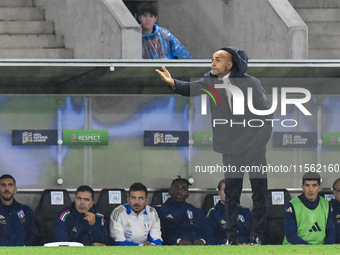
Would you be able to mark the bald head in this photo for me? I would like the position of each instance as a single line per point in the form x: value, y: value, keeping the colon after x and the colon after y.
x: 221, y: 64
x: 225, y: 54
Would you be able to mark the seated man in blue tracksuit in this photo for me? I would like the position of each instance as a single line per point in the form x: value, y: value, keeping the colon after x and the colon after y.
x: 81, y: 222
x: 183, y: 223
x: 336, y: 209
x: 17, y: 223
x: 216, y: 217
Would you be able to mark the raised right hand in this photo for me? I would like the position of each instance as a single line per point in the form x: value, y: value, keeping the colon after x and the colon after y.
x: 166, y: 76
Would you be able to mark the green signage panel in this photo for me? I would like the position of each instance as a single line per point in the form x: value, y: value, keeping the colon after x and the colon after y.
x: 85, y: 137
x: 331, y: 139
x: 203, y: 138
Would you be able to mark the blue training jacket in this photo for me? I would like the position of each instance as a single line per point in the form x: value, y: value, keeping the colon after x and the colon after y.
x: 216, y: 217
x: 183, y: 221
x: 70, y: 226
x: 336, y: 212
x: 17, y: 225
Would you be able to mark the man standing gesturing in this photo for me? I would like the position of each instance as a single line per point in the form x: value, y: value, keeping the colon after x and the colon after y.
x: 242, y: 138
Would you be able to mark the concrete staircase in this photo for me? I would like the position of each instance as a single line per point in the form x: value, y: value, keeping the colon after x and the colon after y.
x: 24, y: 33
x: 323, y: 20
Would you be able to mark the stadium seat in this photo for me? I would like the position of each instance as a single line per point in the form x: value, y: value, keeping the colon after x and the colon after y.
x: 50, y: 203
x: 209, y: 201
x: 109, y: 199
x: 277, y: 200
x: 159, y: 197
x: 327, y: 193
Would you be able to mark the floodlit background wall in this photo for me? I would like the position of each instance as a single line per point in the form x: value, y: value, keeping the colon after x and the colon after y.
x: 125, y: 160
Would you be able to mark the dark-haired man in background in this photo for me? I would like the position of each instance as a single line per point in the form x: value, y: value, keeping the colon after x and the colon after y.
x: 17, y: 223
x: 158, y: 42
x: 336, y: 209
x: 183, y: 223
x: 309, y: 217
x: 216, y: 217
x: 81, y: 222
x: 136, y: 223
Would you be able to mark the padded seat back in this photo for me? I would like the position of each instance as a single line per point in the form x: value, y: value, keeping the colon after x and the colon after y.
x: 109, y: 199
x: 51, y: 202
x: 327, y: 194
x: 159, y: 197
x: 277, y: 201
x: 209, y: 201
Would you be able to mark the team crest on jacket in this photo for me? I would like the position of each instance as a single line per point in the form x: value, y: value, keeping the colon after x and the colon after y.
x: 146, y: 224
x: 241, y: 218
x: 21, y: 214
x: 190, y: 215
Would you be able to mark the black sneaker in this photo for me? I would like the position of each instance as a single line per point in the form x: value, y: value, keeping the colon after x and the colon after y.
x: 231, y: 241
x: 255, y: 241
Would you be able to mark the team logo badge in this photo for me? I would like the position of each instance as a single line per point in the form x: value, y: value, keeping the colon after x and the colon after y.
x: 287, y: 139
x: 315, y: 228
x: 21, y: 214
x: 277, y: 198
x: 115, y: 197
x: 158, y: 138
x: 57, y: 198
x: 333, y: 139
x: 165, y: 196
x: 241, y: 218
x: 289, y: 210
x: 216, y: 199
x: 329, y: 197
x: 146, y: 224
x: 27, y: 137
x: 190, y: 215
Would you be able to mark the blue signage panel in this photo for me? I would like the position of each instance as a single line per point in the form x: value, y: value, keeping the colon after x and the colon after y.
x: 37, y: 137
x: 166, y: 138
x: 295, y: 139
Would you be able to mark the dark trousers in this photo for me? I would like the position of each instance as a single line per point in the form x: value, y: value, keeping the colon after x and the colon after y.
x: 233, y: 189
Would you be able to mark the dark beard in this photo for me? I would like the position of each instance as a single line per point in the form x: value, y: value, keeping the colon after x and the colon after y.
x: 7, y: 199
